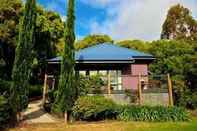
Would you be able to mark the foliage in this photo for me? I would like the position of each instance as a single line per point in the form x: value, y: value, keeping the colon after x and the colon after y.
x: 51, y: 99
x: 90, y: 84
x: 179, y: 24
x: 91, y: 40
x: 84, y: 86
x: 94, y: 108
x: 134, y: 44
x: 10, y: 13
x: 188, y: 99
x: 5, y: 112
x: 66, y: 94
x: 191, y: 74
x: 4, y: 87
x: 48, y: 25
x: 157, y: 113
x: 174, y: 57
x: 35, y: 91
x: 23, y: 58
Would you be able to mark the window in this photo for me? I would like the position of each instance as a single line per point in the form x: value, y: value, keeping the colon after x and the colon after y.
x: 83, y: 73
x: 93, y: 73
x: 116, y: 79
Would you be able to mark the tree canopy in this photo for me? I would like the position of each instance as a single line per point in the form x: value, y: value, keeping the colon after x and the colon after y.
x: 91, y: 40
x: 179, y: 24
x: 10, y: 13
x: 134, y: 44
x: 48, y: 25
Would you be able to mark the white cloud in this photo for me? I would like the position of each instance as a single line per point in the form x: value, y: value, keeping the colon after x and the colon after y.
x: 135, y: 19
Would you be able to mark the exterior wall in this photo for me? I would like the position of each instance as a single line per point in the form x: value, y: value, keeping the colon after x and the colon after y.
x: 130, y: 75
x: 155, y: 99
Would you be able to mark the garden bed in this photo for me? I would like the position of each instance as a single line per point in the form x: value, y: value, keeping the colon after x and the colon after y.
x: 94, y: 108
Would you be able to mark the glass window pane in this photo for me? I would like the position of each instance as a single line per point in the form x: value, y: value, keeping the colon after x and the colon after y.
x: 116, y: 79
x: 103, y: 73
x: 93, y: 73
x: 82, y: 73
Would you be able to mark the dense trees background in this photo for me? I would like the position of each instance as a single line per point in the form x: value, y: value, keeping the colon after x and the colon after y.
x: 10, y: 13
x: 91, y: 40
x: 48, y: 25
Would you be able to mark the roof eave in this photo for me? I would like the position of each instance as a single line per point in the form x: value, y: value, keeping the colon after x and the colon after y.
x: 98, y: 61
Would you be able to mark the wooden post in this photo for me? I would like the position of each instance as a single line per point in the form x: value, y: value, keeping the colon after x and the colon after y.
x: 109, y: 82
x: 171, y: 103
x: 140, y: 89
x: 44, y: 89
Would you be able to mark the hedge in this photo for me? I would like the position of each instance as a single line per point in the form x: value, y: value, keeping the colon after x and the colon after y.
x: 5, y: 111
x: 93, y: 108
x: 4, y: 87
x: 152, y: 114
x: 35, y: 91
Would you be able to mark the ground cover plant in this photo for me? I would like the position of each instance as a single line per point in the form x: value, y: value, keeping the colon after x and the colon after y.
x: 153, y: 113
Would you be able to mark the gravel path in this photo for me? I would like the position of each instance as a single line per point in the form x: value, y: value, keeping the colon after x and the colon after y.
x: 35, y: 114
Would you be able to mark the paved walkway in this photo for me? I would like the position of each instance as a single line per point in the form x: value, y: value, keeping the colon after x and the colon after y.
x: 35, y: 114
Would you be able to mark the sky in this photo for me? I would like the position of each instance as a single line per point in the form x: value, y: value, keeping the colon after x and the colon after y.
x: 120, y: 19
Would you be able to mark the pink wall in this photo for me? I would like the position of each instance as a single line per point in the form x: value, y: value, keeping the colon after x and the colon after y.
x: 139, y: 69
x: 130, y: 75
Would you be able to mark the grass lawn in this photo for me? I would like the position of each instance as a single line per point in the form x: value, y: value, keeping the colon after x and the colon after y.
x: 113, y: 126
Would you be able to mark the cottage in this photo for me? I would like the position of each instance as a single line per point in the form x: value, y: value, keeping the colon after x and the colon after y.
x: 120, y: 65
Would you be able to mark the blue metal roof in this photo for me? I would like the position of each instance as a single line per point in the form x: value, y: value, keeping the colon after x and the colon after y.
x: 107, y: 52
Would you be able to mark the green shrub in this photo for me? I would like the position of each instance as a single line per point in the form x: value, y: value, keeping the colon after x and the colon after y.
x: 4, y: 87
x: 35, y: 91
x: 92, y: 108
x: 51, y: 99
x: 5, y: 111
x: 189, y: 100
x: 91, y: 84
x: 84, y: 85
x: 154, y: 114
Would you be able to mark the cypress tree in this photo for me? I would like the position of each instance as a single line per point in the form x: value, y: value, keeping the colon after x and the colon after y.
x: 23, y: 58
x: 66, y: 89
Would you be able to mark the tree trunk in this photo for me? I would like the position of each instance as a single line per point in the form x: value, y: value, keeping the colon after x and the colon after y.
x: 66, y: 117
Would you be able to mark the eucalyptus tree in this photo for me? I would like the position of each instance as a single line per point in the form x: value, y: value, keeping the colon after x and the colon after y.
x: 179, y: 24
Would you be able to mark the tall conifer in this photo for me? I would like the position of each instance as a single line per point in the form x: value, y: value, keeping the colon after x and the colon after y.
x: 66, y: 89
x: 23, y: 58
